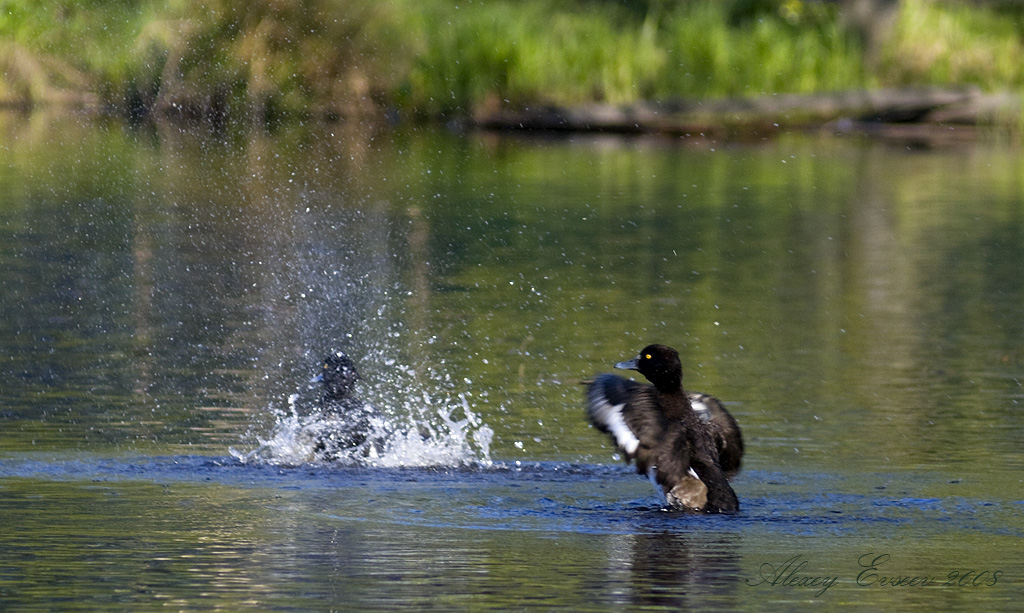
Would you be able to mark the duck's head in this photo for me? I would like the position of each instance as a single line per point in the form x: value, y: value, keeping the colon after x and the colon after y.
x: 339, y: 376
x: 660, y: 364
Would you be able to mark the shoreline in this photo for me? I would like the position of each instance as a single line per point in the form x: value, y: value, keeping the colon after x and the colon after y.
x: 961, y: 113
x: 929, y: 114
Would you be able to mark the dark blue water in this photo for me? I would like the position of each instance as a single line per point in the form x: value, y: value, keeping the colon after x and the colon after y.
x: 554, y: 496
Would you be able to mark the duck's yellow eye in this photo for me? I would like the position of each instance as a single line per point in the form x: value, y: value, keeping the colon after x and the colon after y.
x: 648, y: 356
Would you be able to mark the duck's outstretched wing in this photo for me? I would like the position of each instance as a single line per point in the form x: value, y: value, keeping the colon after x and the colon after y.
x: 728, y: 438
x: 608, y: 399
x: 627, y: 411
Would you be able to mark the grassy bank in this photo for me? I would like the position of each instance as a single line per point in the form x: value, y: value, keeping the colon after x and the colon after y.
x: 430, y: 58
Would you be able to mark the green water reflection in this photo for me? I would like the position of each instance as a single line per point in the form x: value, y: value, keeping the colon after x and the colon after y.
x: 859, y: 303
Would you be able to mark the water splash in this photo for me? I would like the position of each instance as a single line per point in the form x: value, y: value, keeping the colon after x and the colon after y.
x: 348, y: 274
x: 447, y: 433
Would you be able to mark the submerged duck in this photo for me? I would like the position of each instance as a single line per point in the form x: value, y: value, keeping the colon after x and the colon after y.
x: 339, y: 376
x: 339, y: 403
x: 687, y: 444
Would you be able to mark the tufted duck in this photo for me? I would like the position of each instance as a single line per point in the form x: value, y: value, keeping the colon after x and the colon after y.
x: 687, y: 444
x: 349, y: 416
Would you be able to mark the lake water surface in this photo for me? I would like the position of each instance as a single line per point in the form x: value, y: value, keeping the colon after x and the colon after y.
x: 858, y: 305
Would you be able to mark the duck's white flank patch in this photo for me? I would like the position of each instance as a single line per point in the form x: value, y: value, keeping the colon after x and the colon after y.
x: 703, y: 411
x: 611, y: 416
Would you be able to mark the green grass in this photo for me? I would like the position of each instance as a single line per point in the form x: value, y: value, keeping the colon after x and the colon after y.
x: 432, y: 58
x: 519, y: 53
x: 957, y: 43
x: 761, y: 56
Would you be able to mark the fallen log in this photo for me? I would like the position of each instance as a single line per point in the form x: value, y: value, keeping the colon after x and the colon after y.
x: 967, y: 106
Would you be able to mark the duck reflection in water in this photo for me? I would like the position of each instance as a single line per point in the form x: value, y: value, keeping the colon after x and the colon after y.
x: 347, y: 422
x: 655, y: 567
x: 687, y: 444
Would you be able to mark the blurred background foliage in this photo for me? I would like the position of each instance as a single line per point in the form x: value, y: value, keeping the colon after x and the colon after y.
x: 268, y: 59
